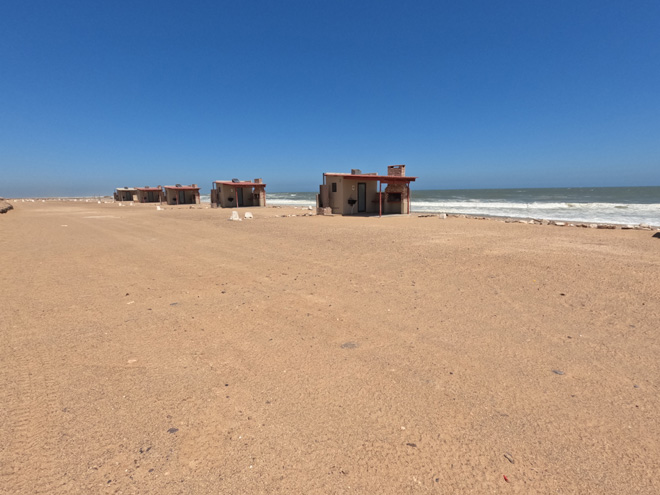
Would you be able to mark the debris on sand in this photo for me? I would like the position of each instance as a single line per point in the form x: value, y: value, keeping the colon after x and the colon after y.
x: 5, y: 206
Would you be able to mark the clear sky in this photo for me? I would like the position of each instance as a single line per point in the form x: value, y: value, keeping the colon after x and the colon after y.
x: 468, y: 94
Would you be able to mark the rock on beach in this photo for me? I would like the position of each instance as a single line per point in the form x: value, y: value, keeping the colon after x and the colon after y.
x: 5, y: 206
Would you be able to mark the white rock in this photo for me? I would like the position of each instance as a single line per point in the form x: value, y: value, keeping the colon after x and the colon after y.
x: 442, y: 215
x: 235, y: 217
x: 248, y: 215
x: 158, y: 208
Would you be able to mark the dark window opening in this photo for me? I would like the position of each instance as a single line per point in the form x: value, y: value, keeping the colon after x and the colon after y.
x: 334, y: 187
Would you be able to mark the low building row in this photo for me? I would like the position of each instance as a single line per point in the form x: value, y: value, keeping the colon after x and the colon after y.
x: 341, y: 193
x: 171, y: 195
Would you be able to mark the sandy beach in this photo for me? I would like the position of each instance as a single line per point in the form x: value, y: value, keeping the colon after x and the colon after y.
x: 174, y: 352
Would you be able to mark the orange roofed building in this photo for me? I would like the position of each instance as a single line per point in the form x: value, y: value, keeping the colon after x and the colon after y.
x: 235, y: 193
x: 358, y: 193
x: 148, y: 194
x: 182, y: 195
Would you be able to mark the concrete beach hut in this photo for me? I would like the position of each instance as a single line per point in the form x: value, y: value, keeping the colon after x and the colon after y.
x: 182, y: 195
x: 362, y: 194
x: 126, y: 194
x: 148, y: 194
x: 235, y: 193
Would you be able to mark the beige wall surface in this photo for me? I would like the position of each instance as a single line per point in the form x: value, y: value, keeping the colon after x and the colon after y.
x: 350, y: 187
x: 227, y: 192
x: 130, y: 195
x: 336, y: 198
x: 191, y: 197
x: 251, y: 196
x: 143, y: 196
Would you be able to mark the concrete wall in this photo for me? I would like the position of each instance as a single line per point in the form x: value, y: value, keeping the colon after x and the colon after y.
x: 173, y: 197
x: 124, y: 195
x: 347, y: 189
x: 323, y: 198
x: 252, y: 196
x: 350, y: 191
x: 336, y: 198
x: 225, y: 194
x: 150, y: 196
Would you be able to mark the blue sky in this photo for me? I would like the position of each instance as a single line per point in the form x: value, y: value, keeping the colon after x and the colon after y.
x: 470, y: 94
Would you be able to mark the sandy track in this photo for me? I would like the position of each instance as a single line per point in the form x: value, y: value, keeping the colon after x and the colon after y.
x: 172, y: 351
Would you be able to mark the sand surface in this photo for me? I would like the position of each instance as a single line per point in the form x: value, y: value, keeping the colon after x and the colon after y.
x: 173, y: 351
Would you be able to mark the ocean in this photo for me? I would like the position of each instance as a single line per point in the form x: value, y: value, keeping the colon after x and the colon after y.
x: 614, y: 205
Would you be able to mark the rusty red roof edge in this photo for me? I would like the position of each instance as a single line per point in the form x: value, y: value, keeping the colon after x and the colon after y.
x: 393, y: 178
x: 240, y: 184
x: 187, y: 188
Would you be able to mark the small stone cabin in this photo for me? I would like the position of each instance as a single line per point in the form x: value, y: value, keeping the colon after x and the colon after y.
x: 235, y: 193
x: 126, y: 194
x: 182, y: 195
x: 148, y: 194
x: 363, y: 194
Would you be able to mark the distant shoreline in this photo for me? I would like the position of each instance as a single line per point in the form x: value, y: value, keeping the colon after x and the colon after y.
x: 419, y: 214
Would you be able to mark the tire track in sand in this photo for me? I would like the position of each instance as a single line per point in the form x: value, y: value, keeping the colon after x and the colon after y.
x: 29, y: 462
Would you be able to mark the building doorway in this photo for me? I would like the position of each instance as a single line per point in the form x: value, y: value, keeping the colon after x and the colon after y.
x: 362, y: 197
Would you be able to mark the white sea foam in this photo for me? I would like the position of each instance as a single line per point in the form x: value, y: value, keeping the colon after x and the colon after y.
x: 573, y: 212
x: 562, y: 204
x: 289, y: 202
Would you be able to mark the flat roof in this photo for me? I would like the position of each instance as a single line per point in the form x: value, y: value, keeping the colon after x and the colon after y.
x: 240, y: 184
x: 148, y: 188
x: 183, y: 188
x: 382, y: 178
x: 126, y: 189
